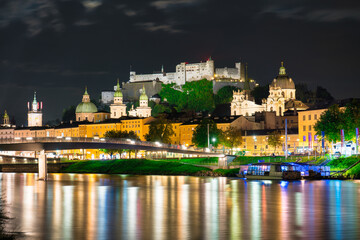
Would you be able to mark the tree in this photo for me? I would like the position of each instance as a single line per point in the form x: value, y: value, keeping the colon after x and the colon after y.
x: 68, y: 114
x: 274, y: 140
x: 160, y: 130
x: 335, y: 118
x: 323, y: 94
x: 331, y: 121
x: 121, y: 134
x: 116, y: 134
x: 303, y: 93
x: 194, y: 95
x: 200, y: 135
x: 259, y: 93
x: 225, y: 94
x: 160, y: 108
x: 232, y: 138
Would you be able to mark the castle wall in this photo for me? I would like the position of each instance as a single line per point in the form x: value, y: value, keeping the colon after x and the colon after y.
x: 131, y: 90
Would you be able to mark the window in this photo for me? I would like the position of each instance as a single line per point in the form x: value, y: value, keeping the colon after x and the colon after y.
x: 303, y: 117
x: 255, y: 147
x: 315, y: 116
x: 304, y: 128
x: 309, y: 117
x: 310, y: 128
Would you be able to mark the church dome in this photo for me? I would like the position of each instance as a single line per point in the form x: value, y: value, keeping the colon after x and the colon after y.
x: 118, y: 92
x: 143, y: 95
x: 86, y: 106
x: 283, y: 80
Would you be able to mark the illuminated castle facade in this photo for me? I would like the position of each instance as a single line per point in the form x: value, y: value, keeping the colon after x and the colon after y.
x: 187, y: 72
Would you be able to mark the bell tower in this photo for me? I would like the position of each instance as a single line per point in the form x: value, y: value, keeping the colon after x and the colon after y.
x: 35, y: 113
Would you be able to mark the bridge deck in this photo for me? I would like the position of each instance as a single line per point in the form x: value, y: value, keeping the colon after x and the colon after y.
x: 51, y: 144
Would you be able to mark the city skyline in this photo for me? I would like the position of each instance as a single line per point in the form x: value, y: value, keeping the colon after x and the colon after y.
x: 58, y: 47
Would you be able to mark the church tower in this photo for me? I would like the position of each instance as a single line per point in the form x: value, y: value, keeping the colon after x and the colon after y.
x: 6, y: 119
x: 35, y: 113
x: 118, y: 108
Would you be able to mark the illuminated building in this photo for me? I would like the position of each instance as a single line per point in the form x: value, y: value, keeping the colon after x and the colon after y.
x: 87, y: 111
x: 35, y: 113
x: 281, y: 98
x: 143, y: 110
x: 307, y: 134
x: 118, y: 108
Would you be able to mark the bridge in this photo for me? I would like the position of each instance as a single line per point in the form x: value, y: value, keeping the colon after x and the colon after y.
x: 68, y: 143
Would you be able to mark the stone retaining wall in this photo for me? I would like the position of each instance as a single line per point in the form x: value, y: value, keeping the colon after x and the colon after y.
x: 32, y: 168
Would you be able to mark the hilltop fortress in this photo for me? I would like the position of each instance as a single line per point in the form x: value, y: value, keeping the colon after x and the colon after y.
x: 184, y: 72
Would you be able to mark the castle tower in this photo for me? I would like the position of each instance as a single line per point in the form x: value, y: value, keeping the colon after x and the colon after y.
x: 35, y: 113
x: 118, y: 109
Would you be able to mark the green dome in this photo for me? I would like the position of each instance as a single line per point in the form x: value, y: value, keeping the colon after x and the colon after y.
x: 86, y: 107
x: 118, y: 92
x: 143, y: 95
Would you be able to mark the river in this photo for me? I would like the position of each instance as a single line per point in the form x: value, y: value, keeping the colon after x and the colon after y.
x: 96, y: 206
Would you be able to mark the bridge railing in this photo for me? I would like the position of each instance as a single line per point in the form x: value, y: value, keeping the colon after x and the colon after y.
x: 88, y: 140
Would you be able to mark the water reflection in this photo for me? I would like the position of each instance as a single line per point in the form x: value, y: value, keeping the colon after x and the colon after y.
x: 90, y: 206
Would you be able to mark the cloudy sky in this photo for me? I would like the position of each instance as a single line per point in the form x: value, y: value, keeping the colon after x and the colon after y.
x: 56, y: 47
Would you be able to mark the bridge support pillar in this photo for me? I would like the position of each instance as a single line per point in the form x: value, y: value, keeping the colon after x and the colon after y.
x: 42, y: 166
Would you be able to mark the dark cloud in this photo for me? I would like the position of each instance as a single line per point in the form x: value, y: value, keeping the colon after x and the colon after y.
x: 58, y: 46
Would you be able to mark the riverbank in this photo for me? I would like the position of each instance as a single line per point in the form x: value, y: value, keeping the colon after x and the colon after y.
x: 145, y: 167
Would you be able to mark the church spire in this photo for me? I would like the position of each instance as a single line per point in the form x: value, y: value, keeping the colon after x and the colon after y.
x: 86, y: 93
x: 6, y: 118
x: 118, y: 85
x: 34, y: 101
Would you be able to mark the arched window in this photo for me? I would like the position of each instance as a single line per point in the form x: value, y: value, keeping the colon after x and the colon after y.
x: 291, y: 95
x: 279, y: 110
x: 271, y: 109
x: 283, y: 94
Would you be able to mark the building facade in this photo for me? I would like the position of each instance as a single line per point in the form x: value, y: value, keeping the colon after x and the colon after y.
x: 143, y: 111
x: 118, y: 108
x: 281, y: 98
x: 35, y: 113
x: 85, y: 110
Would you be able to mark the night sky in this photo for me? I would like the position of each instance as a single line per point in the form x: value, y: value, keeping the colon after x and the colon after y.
x: 56, y: 47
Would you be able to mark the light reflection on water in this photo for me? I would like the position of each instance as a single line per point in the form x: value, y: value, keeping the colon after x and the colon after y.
x: 90, y: 206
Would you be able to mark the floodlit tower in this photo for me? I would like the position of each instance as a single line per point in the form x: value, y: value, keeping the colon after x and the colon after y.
x: 118, y: 108
x: 35, y: 113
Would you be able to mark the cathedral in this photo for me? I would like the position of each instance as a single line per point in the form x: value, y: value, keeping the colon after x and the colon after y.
x: 281, y: 98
